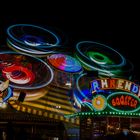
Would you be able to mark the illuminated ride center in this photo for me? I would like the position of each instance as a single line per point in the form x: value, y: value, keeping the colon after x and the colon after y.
x: 91, y: 86
x: 106, y: 100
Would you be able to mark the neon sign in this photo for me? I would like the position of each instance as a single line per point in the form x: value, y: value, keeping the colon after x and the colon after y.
x: 123, y: 101
x: 115, y: 83
x: 99, y: 102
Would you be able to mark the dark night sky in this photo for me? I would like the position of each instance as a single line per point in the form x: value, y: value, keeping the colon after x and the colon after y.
x: 117, y: 27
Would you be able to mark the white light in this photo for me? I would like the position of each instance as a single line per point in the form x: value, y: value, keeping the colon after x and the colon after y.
x: 68, y: 84
x: 98, y: 102
x: 3, y: 105
x: 58, y: 106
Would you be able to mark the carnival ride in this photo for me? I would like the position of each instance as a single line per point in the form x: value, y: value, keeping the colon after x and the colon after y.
x: 55, y: 82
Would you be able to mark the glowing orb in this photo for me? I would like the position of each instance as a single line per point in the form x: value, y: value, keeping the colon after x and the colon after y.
x: 99, y: 102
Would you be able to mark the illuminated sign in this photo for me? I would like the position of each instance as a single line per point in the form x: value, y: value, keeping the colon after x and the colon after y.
x: 99, y: 102
x: 123, y: 101
x: 115, y: 83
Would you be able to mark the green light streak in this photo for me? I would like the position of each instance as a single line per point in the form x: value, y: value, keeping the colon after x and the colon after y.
x: 99, y: 58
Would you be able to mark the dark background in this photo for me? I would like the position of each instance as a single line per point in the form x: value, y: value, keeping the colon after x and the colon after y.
x: 116, y: 25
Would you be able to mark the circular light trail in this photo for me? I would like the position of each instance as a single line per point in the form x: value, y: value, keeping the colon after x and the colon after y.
x: 24, y: 72
x: 18, y: 74
x: 31, y: 95
x: 32, y: 39
x: 100, y: 57
x: 65, y: 63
